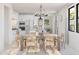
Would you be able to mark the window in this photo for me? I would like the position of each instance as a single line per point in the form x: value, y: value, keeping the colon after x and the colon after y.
x: 71, y: 15
x: 46, y: 21
x: 77, y: 17
x: 47, y: 25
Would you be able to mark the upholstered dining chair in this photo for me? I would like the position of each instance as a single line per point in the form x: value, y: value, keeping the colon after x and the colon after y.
x: 31, y: 44
x: 49, y: 42
x: 17, y: 39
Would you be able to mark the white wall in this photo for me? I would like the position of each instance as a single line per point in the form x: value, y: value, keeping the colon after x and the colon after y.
x: 13, y: 17
x: 52, y: 18
x: 13, y: 22
x: 6, y: 26
x: 61, y: 21
x: 1, y: 28
x: 71, y: 37
x: 9, y: 26
x: 62, y: 24
x: 30, y: 21
x: 74, y: 38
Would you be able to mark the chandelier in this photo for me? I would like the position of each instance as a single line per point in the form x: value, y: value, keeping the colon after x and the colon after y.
x: 41, y: 13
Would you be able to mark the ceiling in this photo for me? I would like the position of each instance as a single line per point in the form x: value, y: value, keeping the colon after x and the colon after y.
x: 34, y: 7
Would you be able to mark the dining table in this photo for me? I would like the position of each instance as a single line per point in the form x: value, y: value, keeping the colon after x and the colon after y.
x: 34, y: 44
